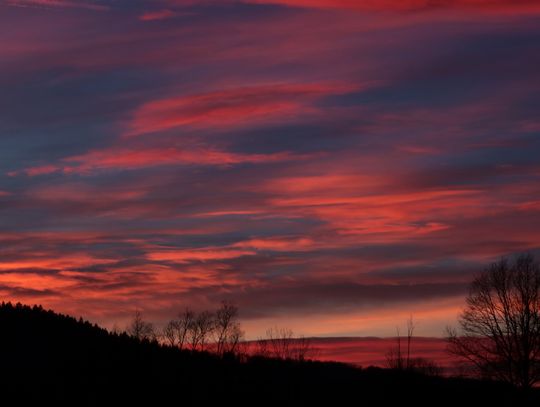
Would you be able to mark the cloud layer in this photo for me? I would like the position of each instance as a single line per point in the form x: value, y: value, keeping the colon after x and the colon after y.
x: 326, y: 165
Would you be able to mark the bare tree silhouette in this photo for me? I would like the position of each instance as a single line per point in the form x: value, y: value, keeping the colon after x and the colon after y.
x: 140, y: 329
x: 185, y: 321
x: 227, y: 329
x: 399, y: 359
x: 302, y: 348
x: 410, y: 330
x: 170, y: 333
x: 281, y: 343
x: 218, y: 331
x: 200, y: 330
x: 175, y: 332
x: 500, y: 326
x: 393, y: 355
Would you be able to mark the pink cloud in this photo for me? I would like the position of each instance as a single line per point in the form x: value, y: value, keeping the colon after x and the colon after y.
x: 158, y: 15
x: 352, y: 205
x: 397, y: 4
x: 78, y: 191
x: 232, y: 107
x: 57, y: 4
x: 278, y: 244
x: 36, y: 171
x: 305, y: 209
x: 356, y: 208
x: 373, y: 351
x: 186, y: 255
x: 126, y: 158
x: 391, y: 5
x: 118, y: 158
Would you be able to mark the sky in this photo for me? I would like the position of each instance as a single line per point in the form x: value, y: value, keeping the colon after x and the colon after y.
x: 371, y: 351
x: 328, y: 166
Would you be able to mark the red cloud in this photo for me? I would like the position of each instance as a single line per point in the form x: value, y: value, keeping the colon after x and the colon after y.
x: 386, y: 4
x: 278, y: 244
x: 373, y: 351
x: 239, y: 106
x: 57, y: 4
x: 126, y: 158
x: 157, y: 15
x: 41, y: 170
x: 206, y: 254
x: 359, y: 207
x: 395, y: 4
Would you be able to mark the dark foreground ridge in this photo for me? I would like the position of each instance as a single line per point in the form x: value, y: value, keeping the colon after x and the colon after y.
x: 53, y: 359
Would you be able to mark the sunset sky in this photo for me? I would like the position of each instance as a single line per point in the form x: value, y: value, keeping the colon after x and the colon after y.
x: 329, y: 166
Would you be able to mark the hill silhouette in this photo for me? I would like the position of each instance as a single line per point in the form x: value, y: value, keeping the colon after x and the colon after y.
x: 52, y: 359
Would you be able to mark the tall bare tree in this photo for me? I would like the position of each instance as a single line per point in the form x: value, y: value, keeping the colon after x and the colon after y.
x: 302, y: 348
x: 281, y: 343
x: 214, y: 331
x: 394, y: 356
x: 176, y: 331
x: 183, y: 325
x: 140, y: 329
x: 200, y: 330
x: 227, y: 329
x: 170, y: 333
x: 500, y: 326
x: 410, y: 331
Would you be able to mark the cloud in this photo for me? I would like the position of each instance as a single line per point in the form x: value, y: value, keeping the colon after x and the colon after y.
x: 330, y: 169
x: 51, y: 4
x: 184, y: 256
x: 130, y: 159
x: 14, y: 293
x: 373, y: 351
x: 158, y: 15
x: 137, y: 158
x: 350, y: 206
x: 233, y: 107
x: 397, y: 4
x: 299, y: 297
x: 279, y: 244
x: 392, y: 5
x: 36, y: 171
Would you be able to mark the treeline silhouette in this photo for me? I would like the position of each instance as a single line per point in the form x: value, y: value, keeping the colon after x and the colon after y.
x: 52, y: 359
x: 220, y: 332
x: 217, y: 331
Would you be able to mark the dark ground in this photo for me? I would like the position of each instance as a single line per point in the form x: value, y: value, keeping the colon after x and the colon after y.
x: 52, y: 359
